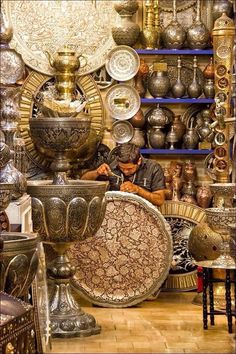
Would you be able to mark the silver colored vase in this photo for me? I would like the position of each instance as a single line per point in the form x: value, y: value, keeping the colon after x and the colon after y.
x: 9, y: 174
x: 126, y: 32
x: 209, y: 88
x: 178, y: 89
x: 222, y: 6
x: 158, y: 84
x: 157, y: 117
x: 156, y: 137
x: 174, y: 34
x: 138, y: 138
x: 198, y: 34
x: 194, y: 89
x: 190, y: 139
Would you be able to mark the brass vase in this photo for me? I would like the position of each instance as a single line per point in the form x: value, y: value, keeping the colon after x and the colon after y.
x: 149, y: 34
x: 156, y: 137
x: 178, y: 89
x: 194, y: 89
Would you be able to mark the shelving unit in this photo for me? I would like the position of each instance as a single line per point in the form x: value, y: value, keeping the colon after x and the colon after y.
x: 175, y: 51
x: 174, y: 152
x: 178, y: 100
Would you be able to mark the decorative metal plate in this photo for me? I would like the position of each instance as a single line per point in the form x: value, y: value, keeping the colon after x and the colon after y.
x: 32, y: 86
x: 129, y: 257
x: 50, y: 25
x: 122, y: 63
x: 181, y: 5
x: 190, y: 112
x: 122, y: 101
x: 181, y: 217
x: 12, y: 67
x: 122, y: 132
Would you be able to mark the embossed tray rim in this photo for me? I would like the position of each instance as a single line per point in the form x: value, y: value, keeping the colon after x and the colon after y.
x: 111, y: 70
x: 129, y: 135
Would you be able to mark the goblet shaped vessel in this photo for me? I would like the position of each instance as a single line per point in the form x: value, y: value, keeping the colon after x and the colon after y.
x: 63, y: 214
x: 60, y: 139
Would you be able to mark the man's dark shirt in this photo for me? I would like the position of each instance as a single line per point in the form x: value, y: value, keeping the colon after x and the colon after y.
x: 149, y: 175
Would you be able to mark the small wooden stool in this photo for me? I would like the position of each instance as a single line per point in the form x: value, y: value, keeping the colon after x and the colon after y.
x: 208, y: 284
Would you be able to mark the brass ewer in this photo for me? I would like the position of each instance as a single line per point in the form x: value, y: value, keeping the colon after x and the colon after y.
x: 66, y: 63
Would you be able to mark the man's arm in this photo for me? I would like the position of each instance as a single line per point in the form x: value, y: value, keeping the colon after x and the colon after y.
x: 155, y: 197
x: 104, y: 170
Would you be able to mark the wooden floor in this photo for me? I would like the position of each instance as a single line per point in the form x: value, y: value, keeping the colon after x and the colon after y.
x: 169, y: 324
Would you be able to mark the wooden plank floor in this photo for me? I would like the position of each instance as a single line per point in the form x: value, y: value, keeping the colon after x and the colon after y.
x: 169, y: 324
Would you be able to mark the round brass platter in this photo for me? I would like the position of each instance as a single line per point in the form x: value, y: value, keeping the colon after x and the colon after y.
x: 182, y: 217
x: 129, y: 257
x: 40, y: 26
x: 32, y: 86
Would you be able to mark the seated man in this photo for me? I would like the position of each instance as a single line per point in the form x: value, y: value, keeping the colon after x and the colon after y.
x: 130, y: 172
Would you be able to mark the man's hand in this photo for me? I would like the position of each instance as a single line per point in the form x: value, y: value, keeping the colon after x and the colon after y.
x: 104, y: 170
x: 129, y: 187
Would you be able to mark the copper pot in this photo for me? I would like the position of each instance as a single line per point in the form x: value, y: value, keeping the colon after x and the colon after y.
x: 179, y: 127
x: 138, y: 120
x: 209, y: 72
x: 204, y: 197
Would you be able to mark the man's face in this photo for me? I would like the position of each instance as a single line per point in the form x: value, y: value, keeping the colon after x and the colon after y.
x: 128, y: 169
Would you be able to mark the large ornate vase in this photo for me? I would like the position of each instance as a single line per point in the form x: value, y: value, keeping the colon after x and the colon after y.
x: 62, y: 215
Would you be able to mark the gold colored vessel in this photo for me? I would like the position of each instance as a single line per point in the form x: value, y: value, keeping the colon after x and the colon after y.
x: 66, y: 63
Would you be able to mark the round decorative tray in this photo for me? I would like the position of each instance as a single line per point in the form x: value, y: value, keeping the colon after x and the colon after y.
x: 122, y: 63
x: 122, y: 101
x: 50, y: 25
x: 129, y: 257
x: 122, y: 132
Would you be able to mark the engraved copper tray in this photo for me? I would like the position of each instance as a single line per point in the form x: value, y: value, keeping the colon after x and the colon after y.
x: 40, y: 26
x: 130, y: 256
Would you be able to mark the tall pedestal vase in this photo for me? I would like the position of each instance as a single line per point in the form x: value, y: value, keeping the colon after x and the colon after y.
x: 149, y: 34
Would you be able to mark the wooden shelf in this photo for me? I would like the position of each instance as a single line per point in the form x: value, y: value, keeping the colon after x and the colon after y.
x: 177, y: 100
x: 175, y: 152
x: 175, y: 51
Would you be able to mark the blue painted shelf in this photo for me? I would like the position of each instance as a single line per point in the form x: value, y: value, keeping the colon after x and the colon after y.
x: 174, y: 152
x: 175, y: 51
x: 177, y: 100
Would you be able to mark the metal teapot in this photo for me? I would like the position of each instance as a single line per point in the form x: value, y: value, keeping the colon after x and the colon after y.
x: 65, y: 60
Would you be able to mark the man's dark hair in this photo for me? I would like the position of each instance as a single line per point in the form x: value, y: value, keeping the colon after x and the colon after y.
x: 128, y: 153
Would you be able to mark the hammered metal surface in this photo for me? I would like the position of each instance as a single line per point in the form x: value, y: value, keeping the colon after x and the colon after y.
x: 122, y: 63
x: 122, y: 132
x: 50, y: 25
x: 129, y: 257
x: 33, y: 85
x: 12, y: 66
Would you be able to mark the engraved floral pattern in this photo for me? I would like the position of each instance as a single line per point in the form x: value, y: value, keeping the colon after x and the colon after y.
x: 130, y: 256
x: 53, y: 24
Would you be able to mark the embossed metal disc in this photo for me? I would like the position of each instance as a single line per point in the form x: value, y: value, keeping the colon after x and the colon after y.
x: 12, y: 66
x: 122, y: 132
x: 40, y: 26
x: 122, y: 101
x: 129, y: 257
x: 181, y: 217
x: 122, y: 63
x: 32, y: 86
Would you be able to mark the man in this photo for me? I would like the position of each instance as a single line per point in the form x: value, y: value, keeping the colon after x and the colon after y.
x: 132, y: 173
